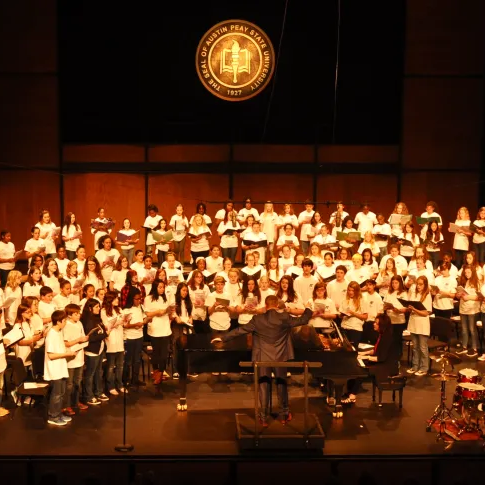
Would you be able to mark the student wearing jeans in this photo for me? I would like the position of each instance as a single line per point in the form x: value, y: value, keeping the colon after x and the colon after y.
x: 73, y: 334
x: 3, y: 365
x: 469, y: 309
x: 133, y: 334
x: 55, y: 368
x: 95, y: 329
x: 419, y: 326
x: 115, y: 350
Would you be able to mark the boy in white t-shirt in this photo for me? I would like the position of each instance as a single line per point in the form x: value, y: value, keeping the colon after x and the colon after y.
x: 63, y: 299
x: 46, y: 307
x: 365, y: 220
x: 305, y: 283
x: 214, y: 262
x: 74, y: 337
x: 219, y: 314
x: 55, y: 368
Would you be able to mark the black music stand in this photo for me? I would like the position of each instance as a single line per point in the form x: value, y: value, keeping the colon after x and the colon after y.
x: 303, y: 432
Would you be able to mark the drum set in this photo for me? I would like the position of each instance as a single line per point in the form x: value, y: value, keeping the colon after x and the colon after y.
x: 466, y: 413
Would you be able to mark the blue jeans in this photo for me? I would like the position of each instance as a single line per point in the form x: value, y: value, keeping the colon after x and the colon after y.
x: 93, y: 382
x: 420, y: 352
x: 469, y: 326
x: 58, y: 388
x: 114, y: 377
x: 73, y: 387
x: 305, y: 246
x: 133, y: 348
x: 229, y: 253
x: 480, y: 252
x: 128, y: 254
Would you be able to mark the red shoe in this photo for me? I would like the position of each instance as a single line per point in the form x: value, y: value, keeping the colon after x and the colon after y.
x: 68, y: 412
x: 263, y: 423
x: 81, y: 406
x: 286, y: 419
x: 157, y: 378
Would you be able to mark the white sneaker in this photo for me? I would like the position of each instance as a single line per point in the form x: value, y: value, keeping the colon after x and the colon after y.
x: 411, y: 371
x: 481, y: 358
x: 463, y: 351
x: 420, y: 373
x: 114, y: 392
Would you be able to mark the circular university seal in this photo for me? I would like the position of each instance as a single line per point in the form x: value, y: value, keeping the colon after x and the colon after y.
x: 235, y: 60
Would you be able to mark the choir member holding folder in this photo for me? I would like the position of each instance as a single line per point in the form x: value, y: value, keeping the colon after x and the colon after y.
x: 151, y: 223
x: 71, y: 235
x: 256, y: 241
x: 199, y: 234
x: 126, y: 238
x: 228, y: 231
x: 179, y: 225
x: 419, y: 306
x: 461, y: 228
x: 101, y: 226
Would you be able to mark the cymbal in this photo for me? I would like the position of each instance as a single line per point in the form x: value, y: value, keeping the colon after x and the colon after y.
x: 448, y: 357
x: 447, y: 376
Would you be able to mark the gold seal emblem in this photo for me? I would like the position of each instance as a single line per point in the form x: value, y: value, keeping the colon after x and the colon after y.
x: 235, y: 60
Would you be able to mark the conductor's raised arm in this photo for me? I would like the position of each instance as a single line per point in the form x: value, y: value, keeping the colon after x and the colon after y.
x: 302, y: 319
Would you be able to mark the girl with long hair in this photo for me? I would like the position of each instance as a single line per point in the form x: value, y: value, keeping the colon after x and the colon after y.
x: 199, y: 234
x: 179, y: 225
x: 51, y: 275
x: 468, y: 292
x: 354, y: 313
x: 419, y: 326
x: 461, y: 244
x: 181, y: 319
x: 158, y: 310
x: 71, y: 235
x: 479, y: 235
x: 34, y: 282
x: 112, y: 319
x: 287, y: 294
x: 96, y: 331
x: 92, y: 273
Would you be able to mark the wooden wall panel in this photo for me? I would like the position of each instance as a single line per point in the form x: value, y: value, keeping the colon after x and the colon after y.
x: 358, y: 153
x: 274, y: 153
x: 275, y: 187
x: 166, y: 191
x: 29, y: 134
x: 189, y: 153
x: 445, y: 37
x: 103, y: 153
x: 24, y: 194
x: 28, y: 36
x: 449, y: 189
x: 443, y: 123
x: 380, y: 191
x: 122, y: 195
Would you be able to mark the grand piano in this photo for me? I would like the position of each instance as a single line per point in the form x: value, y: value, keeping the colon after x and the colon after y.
x: 338, y: 357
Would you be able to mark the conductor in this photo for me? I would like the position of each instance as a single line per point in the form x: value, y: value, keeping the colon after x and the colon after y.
x: 271, y: 342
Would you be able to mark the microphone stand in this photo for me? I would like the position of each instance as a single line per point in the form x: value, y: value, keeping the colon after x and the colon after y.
x: 124, y: 447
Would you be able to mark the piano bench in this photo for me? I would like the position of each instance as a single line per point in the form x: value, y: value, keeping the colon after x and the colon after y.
x: 394, y: 383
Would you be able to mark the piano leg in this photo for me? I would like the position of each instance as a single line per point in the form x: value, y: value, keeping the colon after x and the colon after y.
x: 338, y: 411
x: 182, y: 370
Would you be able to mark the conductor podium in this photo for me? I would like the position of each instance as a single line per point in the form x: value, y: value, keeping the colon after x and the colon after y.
x: 303, y: 432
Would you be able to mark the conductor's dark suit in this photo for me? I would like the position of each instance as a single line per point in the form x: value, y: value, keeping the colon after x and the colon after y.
x: 271, y: 342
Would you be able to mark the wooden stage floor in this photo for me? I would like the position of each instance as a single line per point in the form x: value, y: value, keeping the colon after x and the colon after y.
x: 208, y: 427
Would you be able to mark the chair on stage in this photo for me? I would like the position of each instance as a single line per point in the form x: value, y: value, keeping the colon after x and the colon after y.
x: 392, y: 383
x: 24, y: 389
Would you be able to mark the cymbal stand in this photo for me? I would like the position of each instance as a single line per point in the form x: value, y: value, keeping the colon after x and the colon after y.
x: 441, y: 412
